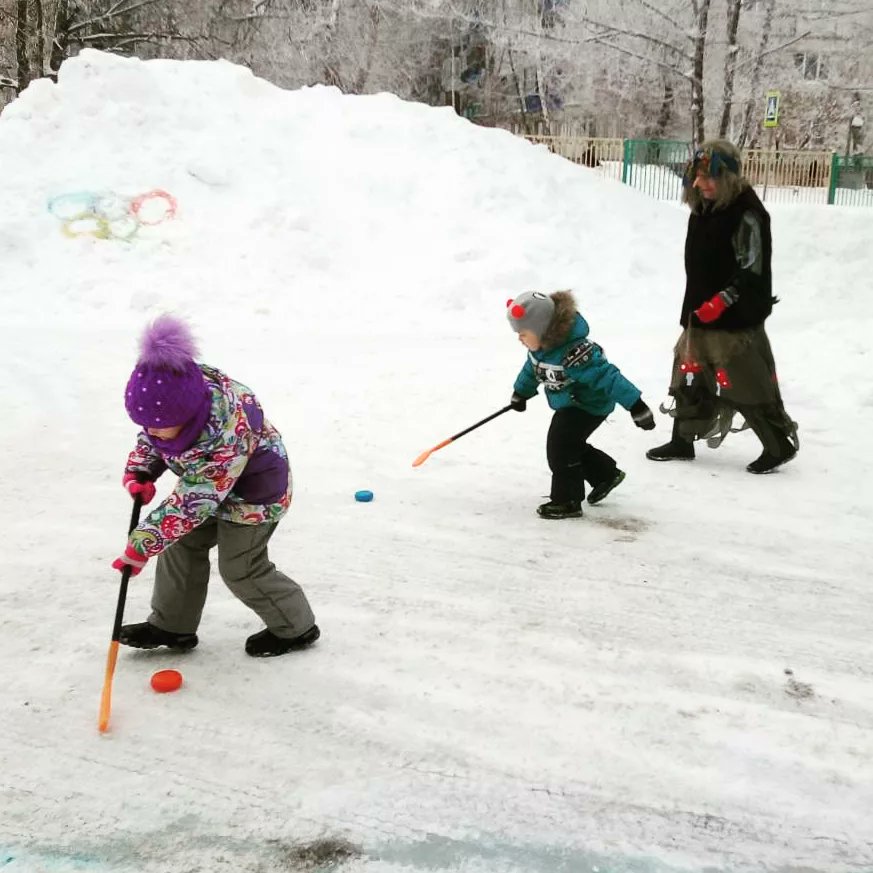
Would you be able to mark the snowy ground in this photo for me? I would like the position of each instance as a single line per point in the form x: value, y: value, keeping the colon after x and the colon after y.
x: 680, y: 681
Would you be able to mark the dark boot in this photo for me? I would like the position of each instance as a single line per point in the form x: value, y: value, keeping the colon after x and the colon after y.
x: 147, y: 636
x: 266, y: 644
x: 777, y: 433
x: 598, y: 492
x: 567, y: 509
x: 767, y: 463
x: 678, y: 449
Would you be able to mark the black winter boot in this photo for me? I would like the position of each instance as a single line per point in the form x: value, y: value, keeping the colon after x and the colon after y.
x: 777, y: 433
x: 598, y: 492
x: 147, y: 636
x: 567, y: 509
x: 678, y: 449
x: 266, y: 644
x: 767, y: 463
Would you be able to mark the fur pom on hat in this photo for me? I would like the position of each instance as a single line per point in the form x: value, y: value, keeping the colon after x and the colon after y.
x: 167, y: 342
x: 166, y: 387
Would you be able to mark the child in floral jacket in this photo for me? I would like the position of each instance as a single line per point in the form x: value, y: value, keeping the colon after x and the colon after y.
x: 581, y: 386
x: 234, y: 485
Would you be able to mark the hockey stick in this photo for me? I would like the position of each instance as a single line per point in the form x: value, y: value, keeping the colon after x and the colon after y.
x: 112, y: 657
x: 425, y: 455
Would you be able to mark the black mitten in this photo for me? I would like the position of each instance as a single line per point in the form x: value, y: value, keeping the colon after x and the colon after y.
x: 642, y: 415
x: 518, y: 403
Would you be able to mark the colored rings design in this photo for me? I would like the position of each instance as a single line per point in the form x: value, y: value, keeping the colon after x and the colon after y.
x: 111, y: 216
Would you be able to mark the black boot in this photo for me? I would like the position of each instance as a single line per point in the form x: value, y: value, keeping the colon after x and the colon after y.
x: 266, y: 644
x: 147, y: 636
x: 567, y: 509
x: 767, y: 463
x: 777, y: 433
x: 598, y: 492
x: 678, y: 449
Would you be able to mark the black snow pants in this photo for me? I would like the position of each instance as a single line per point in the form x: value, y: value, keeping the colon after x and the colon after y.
x: 572, y: 460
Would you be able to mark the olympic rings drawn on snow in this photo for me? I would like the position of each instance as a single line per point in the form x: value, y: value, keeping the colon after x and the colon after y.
x: 111, y: 216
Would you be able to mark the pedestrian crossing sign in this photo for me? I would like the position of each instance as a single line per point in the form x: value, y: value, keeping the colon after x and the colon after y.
x: 771, y: 116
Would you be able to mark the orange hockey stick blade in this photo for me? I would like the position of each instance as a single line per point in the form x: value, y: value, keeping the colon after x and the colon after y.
x: 106, y: 697
x: 425, y: 455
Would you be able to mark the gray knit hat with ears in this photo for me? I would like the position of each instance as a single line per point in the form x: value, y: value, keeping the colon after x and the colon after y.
x: 531, y: 311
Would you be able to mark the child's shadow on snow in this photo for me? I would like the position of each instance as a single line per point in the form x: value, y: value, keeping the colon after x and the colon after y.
x: 627, y: 527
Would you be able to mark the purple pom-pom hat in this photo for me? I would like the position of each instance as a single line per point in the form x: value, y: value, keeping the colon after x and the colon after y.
x: 166, y: 387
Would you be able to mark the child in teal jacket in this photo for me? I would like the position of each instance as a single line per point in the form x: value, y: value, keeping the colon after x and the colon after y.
x: 581, y: 386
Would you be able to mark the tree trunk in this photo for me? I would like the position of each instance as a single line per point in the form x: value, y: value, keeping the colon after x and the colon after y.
x: 40, y: 39
x: 331, y: 72
x: 541, y: 85
x: 733, y: 23
x: 489, y: 75
x: 749, y: 116
x: 22, y: 55
x: 64, y: 18
x: 372, y: 38
x: 518, y: 89
x: 665, y: 116
x: 544, y: 110
x: 698, y: 115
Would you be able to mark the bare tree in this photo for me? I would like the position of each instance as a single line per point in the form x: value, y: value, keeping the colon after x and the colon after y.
x: 119, y: 26
x: 632, y: 67
x: 757, y: 68
x: 348, y: 40
x: 730, y: 63
x: 46, y: 32
x: 537, y: 11
x: 667, y: 35
x: 665, y: 115
x: 698, y: 114
x: 22, y: 48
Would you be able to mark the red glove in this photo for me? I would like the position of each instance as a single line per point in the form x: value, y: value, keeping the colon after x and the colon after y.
x: 134, y: 486
x: 712, y: 309
x: 131, y: 558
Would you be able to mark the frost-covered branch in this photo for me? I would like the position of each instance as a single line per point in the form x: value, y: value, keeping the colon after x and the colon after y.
x: 114, y: 11
x: 662, y: 15
x: 645, y: 37
x: 672, y: 68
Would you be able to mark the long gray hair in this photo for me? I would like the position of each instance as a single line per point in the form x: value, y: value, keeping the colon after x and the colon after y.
x: 730, y: 184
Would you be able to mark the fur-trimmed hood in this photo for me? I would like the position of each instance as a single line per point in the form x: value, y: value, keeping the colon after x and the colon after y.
x: 562, y: 321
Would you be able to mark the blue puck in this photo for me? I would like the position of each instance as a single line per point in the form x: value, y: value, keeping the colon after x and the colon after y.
x: 363, y: 496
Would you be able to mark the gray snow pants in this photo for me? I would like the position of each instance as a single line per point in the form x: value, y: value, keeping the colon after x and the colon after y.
x: 182, y: 578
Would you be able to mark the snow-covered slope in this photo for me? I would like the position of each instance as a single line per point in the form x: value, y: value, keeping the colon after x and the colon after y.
x: 491, y: 692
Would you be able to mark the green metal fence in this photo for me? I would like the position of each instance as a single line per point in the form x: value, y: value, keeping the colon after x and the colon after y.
x: 851, y: 181
x: 655, y: 166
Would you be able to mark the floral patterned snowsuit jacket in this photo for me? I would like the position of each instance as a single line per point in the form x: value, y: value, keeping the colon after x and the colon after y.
x: 237, y: 470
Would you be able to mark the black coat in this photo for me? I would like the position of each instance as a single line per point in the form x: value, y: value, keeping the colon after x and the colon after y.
x: 711, y: 266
